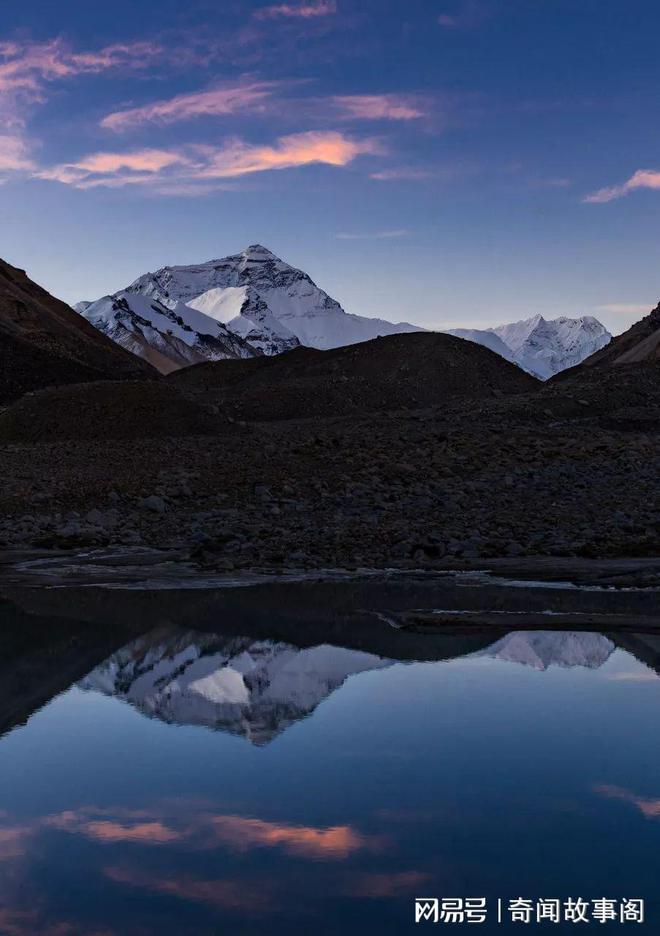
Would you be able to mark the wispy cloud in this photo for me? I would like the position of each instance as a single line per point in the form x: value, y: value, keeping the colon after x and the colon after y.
x: 26, y: 71
x: 297, y: 10
x: 27, y: 67
x: 234, y: 159
x: 642, y: 179
x: 13, y: 841
x: 648, y: 806
x: 254, y: 96
x: 401, y: 173
x: 298, y: 149
x: 208, y: 830
x: 14, y: 153
x: 142, y: 833
x: 114, y: 168
x: 466, y: 14
x: 331, y: 843
x: 220, y: 893
x: 379, y: 106
x: 246, y: 96
x: 375, y: 235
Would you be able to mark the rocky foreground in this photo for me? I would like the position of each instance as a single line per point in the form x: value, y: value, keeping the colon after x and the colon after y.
x: 569, y: 470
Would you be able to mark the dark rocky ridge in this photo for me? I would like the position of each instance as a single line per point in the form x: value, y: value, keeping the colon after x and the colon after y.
x: 410, y: 371
x: 43, y: 342
x: 639, y: 344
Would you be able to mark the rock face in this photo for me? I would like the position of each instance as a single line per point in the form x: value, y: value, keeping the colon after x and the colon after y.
x: 255, y: 689
x: 265, y: 305
x: 639, y: 345
x: 43, y: 342
x: 542, y: 347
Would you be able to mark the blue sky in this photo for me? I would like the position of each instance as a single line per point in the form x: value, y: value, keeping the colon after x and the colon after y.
x: 446, y: 162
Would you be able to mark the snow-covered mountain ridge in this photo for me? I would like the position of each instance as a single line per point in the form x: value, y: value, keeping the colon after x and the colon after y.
x: 266, y: 304
x: 253, y: 303
x: 540, y: 346
x: 168, y: 337
x: 252, y: 688
x: 542, y: 649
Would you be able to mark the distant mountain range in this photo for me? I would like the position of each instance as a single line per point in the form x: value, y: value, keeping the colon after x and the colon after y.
x: 542, y: 347
x: 253, y: 303
x: 244, y: 305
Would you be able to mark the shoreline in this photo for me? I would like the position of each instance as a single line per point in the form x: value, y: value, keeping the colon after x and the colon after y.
x: 127, y: 564
x: 150, y: 586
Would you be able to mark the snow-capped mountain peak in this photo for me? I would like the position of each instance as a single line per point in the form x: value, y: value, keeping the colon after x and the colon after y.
x: 257, y: 253
x: 515, y: 334
x: 283, y: 304
x: 542, y: 347
x: 266, y: 304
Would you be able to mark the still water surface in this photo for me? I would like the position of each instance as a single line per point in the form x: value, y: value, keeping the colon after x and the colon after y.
x: 184, y: 781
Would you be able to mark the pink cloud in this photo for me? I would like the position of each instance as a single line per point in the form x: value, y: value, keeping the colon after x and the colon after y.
x: 642, y: 179
x: 301, y: 10
x: 298, y: 149
x: 230, y: 99
x: 203, y: 830
x: 647, y: 806
x: 378, y: 107
x: 144, y: 833
x: 133, y: 55
x: 14, y: 153
x: 28, y: 68
x: 250, y: 95
x: 147, y: 160
x: 195, y: 164
x: 25, y: 67
x: 241, y: 833
x: 122, y: 168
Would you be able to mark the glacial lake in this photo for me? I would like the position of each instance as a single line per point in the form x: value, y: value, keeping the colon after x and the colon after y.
x: 181, y: 763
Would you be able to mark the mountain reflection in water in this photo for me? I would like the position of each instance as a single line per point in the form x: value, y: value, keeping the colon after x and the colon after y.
x: 251, y: 688
x: 382, y: 762
x: 259, y: 688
